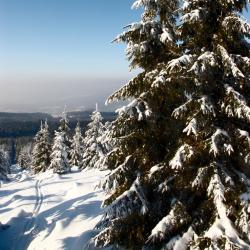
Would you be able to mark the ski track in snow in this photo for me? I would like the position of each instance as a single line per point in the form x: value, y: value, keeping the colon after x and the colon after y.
x: 48, y: 211
x: 39, y: 199
x: 31, y: 223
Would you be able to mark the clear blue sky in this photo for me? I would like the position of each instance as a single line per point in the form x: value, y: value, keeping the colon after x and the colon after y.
x: 56, y: 52
x: 63, y: 35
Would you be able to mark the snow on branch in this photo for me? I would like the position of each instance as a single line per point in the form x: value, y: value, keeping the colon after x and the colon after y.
x: 136, y: 108
x: 185, y: 5
x: 204, y: 60
x: 199, y: 179
x: 226, y: 176
x: 181, y: 111
x: 202, y: 104
x: 154, y: 6
x: 113, y: 179
x: 235, y: 104
x: 245, y: 139
x: 222, y: 227
x: 218, y: 142
x: 228, y: 62
x: 183, y: 155
x: 206, y: 106
x: 241, y: 60
x: 155, y: 169
x: 177, y: 64
x: 166, y: 36
x: 245, y: 135
x: 243, y: 221
x: 183, y: 242
x: 191, y: 127
x: 235, y: 23
x: 176, y: 218
x: 132, y: 200
x: 137, y: 4
x: 193, y: 16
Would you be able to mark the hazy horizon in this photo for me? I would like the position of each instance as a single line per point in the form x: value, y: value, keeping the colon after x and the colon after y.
x: 51, y: 94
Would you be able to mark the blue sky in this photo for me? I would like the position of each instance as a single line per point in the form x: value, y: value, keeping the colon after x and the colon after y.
x: 56, y: 52
x: 70, y: 36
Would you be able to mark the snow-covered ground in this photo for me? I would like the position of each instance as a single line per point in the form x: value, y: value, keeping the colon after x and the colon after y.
x: 49, y: 211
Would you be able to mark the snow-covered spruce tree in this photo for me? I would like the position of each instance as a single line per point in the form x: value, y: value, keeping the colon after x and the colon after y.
x: 212, y: 158
x: 59, y: 156
x: 107, y: 145
x: 183, y: 186
x: 76, y: 150
x: 144, y: 133
x: 4, y: 164
x: 24, y: 158
x: 41, y: 150
x: 64, y: 127
x: 93, y: 148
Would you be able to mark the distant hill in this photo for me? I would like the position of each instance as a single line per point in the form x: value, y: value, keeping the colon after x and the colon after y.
x: 85, y: 115
x: 27, y: 124
x: 24, y: 116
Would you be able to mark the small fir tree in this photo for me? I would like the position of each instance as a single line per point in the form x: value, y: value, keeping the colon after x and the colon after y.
x: 107, y: 145
x: 64, y: 127
x: 4, y: 164
x: 24, y: 158
x: 59, y: 156
x: 76, y: 151
x: 93, y: 149
x: 42, y: 149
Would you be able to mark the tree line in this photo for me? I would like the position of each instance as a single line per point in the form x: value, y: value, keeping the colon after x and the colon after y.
x: 63, y: 151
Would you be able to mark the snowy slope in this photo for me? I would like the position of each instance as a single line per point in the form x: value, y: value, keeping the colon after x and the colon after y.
x: 49, y: 211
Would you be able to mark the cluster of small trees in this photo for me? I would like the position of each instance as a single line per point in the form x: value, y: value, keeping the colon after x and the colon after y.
x: 62, y: 152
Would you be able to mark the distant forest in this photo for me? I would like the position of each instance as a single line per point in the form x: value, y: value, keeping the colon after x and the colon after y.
x: 19, y: 129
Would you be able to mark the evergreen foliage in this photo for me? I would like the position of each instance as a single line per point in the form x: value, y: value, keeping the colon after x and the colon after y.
x: 4, y: 164
x: 24, y: 158
x: 107, y: 143
x: 64, y: 127
x: 76, y: 151
x: 59, y: 156
x: 93, y: 148
x: 180, y: 167
x: 41, y: 150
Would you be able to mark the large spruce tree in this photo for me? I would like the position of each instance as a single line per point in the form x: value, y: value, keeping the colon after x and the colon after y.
x: 182, y: 184
x: 144, y: 132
